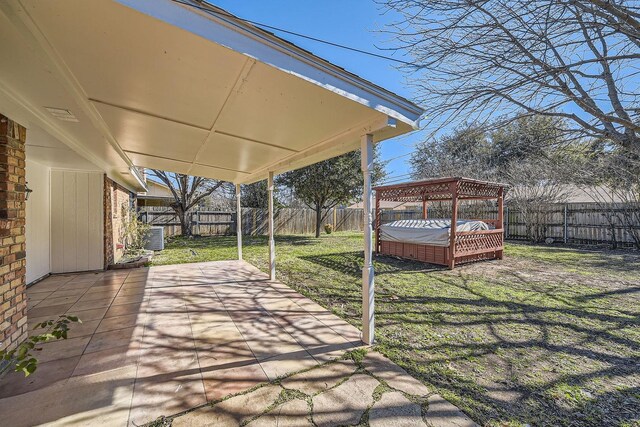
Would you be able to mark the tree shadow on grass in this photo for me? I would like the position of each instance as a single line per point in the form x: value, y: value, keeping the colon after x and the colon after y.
x: 609, y: 293
x: 597, y: 258
x: 507, y: 347
x: 198, y: 242
x: 583, y: 361
x: 351, y: 263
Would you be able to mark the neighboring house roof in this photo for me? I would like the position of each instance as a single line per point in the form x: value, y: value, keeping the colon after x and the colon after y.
x: 168, y: 85
x: 156, y: 190
x: 590, y: 194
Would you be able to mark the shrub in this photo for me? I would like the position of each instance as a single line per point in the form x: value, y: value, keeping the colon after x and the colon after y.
x: 134, y: 232
x: 20, y: 358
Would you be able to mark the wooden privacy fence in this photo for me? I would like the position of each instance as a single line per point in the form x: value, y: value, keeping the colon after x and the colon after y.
x: 580, y: 223
x: 299, y: 221
x: 207, y: 223
x: 254, y: 221
x: 583, y: 223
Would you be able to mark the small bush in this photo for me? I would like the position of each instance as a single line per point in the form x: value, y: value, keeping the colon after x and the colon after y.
x: 21, y: 358
x: 328, y: 228
x: 134, y: 232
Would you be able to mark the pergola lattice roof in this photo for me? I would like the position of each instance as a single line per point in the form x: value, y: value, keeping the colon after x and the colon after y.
x: 440, y: 189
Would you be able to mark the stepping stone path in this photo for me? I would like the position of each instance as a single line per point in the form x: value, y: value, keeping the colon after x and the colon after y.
x: 393, y: 409
x: 345, y: 404
x: 375, y: 392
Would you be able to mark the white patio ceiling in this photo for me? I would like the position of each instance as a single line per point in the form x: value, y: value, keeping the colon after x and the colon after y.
x: 158, y: 84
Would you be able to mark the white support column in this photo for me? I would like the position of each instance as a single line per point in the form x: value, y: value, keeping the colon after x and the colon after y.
x: 366, y: 153
x: 272, y: 242
x: 239, y: 221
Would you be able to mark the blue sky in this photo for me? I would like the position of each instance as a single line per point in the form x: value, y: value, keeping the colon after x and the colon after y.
x: 352, y: 23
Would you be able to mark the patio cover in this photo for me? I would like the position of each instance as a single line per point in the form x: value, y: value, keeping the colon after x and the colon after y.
x: 182, y: 86
x: 167, y: 85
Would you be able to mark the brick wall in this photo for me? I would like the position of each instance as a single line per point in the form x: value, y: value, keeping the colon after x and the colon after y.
x: 108, y: 225
x: 116, y: 204
x: 13, y: 308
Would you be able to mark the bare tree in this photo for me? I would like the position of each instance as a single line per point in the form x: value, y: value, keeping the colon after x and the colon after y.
x: 612, y: 180
x: 535, y: 187
x: 188, y: 191
x: 573, y: 59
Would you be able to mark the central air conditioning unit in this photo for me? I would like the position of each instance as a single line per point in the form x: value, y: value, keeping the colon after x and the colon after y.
x: 155, y: 239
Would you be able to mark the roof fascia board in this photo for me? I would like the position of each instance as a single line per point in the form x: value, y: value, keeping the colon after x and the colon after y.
x: 269, y: 49
x: 126, y: 184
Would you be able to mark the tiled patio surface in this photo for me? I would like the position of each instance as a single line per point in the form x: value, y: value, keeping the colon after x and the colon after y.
x: 163, y: 340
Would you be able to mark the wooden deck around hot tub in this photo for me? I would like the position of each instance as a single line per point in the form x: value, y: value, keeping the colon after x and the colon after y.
x: 470, y: 246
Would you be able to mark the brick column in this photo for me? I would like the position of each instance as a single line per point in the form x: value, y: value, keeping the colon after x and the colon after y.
x: 116, y: 204
x: 13, y: 311
x: 108, y: 222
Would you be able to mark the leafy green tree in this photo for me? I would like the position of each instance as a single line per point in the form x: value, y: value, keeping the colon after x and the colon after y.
x: 254, y: 195
x: 527, y: 137
x: 327, y: 184
x: 486, y: 153
x: 464, y: 152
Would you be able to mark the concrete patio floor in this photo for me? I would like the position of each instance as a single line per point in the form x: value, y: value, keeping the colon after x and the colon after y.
x: 163, y: 340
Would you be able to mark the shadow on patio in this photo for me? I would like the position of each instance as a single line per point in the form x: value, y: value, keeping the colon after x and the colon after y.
x: 162, y: 340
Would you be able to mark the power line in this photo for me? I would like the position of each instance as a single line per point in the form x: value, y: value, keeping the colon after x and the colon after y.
x: 397, y: 178
x: 293, y: 33
x: 395, y: 181
x: 398, y: 157
x: 403, y: 175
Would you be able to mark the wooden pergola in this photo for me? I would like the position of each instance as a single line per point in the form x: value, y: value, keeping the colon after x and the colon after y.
x: 464, y: 246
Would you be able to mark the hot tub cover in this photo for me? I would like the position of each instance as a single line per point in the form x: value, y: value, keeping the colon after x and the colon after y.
x: 426, y: 231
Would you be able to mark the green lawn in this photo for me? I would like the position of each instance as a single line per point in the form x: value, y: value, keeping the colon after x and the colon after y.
x: 548, y: 336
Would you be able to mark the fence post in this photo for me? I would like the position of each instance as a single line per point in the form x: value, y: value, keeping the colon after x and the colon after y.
x: 506, y: 227
x: 565, y: 234
x: 255, y: 230
x: 196, y: 221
